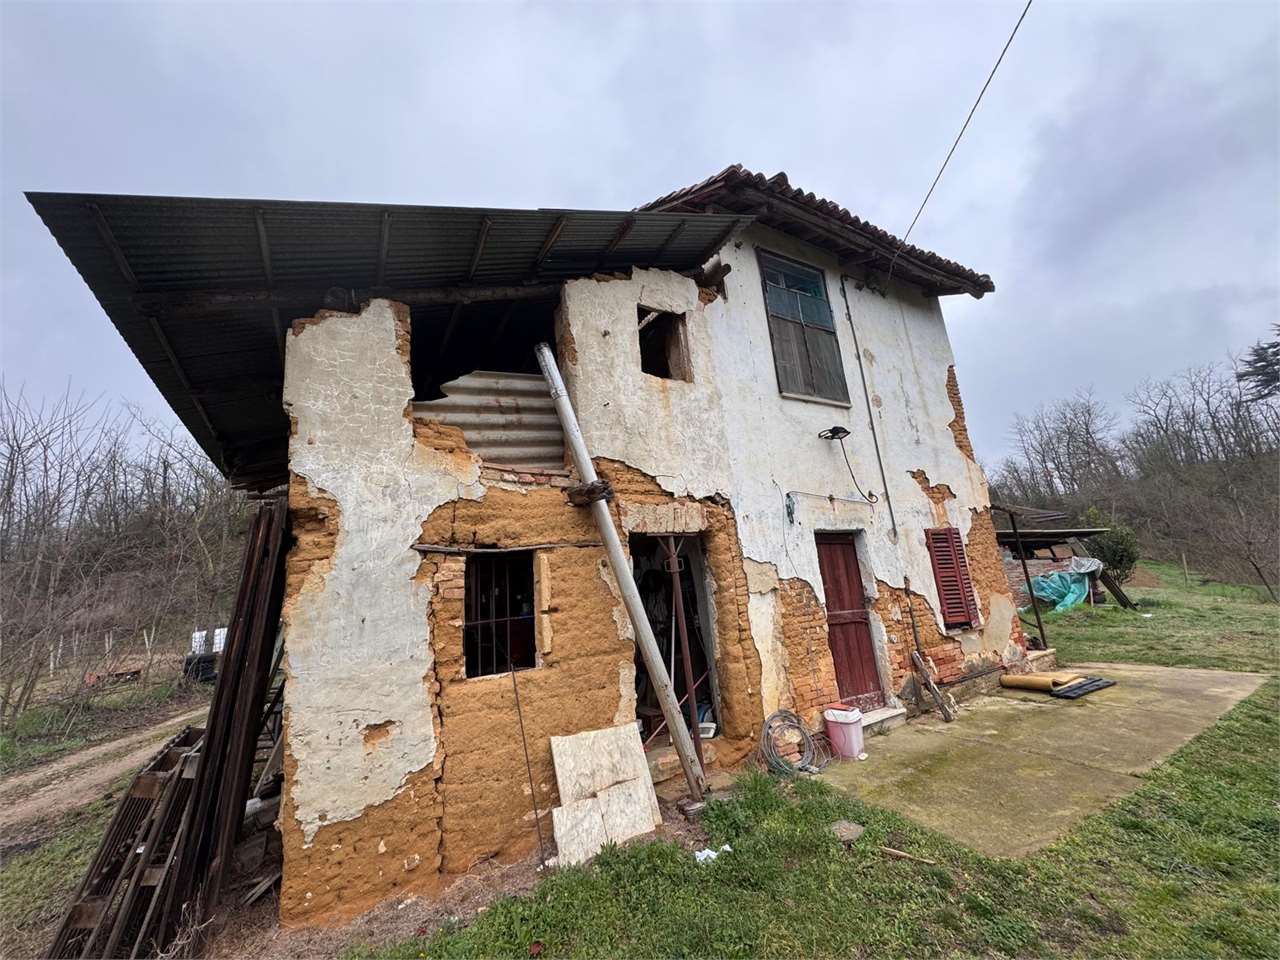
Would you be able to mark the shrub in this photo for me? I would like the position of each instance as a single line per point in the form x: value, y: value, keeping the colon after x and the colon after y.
x: 1117, y: 548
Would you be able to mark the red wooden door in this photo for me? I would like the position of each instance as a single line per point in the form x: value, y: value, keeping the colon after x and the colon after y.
x: 848, y: 627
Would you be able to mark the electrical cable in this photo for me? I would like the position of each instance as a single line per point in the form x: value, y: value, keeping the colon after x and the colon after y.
x: 788, y: 727
x: 869, y: 497
x: 972, y: 110
x: 866, y: 397
x: 528, y: 766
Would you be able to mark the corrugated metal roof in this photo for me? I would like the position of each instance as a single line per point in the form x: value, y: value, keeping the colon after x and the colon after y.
x: 506, y: 418
x: 153, y: 261
x: 737, y: 188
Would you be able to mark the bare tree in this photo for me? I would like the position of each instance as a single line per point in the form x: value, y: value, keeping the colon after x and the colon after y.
x: 116, y: 538
x: 1196, y: 471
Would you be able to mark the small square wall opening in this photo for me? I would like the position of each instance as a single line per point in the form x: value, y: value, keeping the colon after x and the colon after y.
x: 664, y: 351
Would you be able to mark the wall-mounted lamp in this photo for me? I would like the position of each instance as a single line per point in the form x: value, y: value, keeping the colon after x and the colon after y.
x: 839, y: 433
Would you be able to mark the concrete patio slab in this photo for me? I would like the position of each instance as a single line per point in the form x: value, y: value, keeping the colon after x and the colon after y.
x: 1018, y: 769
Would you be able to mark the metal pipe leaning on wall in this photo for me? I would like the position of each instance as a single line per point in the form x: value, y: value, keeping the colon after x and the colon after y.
x: 621, y: 567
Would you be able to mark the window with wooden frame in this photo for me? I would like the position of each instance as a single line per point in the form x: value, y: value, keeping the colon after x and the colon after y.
x: 806, y: 352
x: 951, y: 574
x: 498, y: 613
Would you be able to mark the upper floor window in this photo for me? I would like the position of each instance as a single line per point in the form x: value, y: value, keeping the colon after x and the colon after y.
x: 806, y: 353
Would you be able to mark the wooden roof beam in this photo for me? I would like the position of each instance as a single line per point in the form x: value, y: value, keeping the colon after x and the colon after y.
x: 485, y: 225
x: 126, y: 273
x: 619, y: 235
x: 671, y: 238
x: 552, y: 236
x: 197, y: 304
x: 384, y: 242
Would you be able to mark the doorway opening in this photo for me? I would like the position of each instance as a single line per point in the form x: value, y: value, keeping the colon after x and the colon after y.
x: 653, y: 559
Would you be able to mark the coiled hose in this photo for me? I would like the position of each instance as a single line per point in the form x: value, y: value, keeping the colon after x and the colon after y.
x: 783, y: 731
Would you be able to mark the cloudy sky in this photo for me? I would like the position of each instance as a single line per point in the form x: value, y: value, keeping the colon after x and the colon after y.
x: 1120, y: 182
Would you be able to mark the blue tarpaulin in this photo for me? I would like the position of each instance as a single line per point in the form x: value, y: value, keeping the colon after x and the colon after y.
x: 1063, y: 590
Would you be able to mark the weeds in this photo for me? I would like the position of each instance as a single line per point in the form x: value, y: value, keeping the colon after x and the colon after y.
x: 1185, y: 866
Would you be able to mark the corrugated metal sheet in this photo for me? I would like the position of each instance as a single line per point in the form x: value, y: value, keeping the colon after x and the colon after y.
x: 507, y: 418
x: 131, y: 250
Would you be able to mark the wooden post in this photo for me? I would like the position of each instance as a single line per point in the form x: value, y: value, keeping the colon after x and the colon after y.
x: 1186, y: 577
x: 621, y: 568
x: 1026, y: 575
x: 1263, y: 577
x: 677, y: 603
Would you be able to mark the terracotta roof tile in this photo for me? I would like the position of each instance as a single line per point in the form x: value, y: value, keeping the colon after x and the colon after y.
x: 912, y: 262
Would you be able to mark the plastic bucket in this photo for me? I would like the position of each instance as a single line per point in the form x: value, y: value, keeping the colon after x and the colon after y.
x: 844, y: 728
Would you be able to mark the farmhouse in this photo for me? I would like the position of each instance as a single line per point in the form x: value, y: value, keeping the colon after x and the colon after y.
x: 766, y: 390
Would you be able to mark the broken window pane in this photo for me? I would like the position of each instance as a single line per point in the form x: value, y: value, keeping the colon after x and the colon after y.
x: 783, y: 303
x: 815, y: 312
x: 498, y: 619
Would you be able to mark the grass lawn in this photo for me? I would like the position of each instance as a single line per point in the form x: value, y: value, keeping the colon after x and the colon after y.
x: 44, y: 733
x: 1188, y: 865
x: 1218, y: 625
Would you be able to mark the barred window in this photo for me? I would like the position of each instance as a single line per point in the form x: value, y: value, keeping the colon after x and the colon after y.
x: 498, y: 623
x: 806, y: 352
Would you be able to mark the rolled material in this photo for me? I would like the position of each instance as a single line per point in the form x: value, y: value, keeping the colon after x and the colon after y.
x: 1044, y: 682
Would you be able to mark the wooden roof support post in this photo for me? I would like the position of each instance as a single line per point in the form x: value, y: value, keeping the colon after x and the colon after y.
x: 1026, y: 575
x: 626, y: 581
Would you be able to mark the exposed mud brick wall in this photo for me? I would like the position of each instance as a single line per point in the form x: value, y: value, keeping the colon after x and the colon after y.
x: 942, y: 652
x: 737, y: 659
x: 314, y: 519
x: 577, y: 686
x: 938, y: 494
x: 957, y: 426
x: 352, y: 864
x: 998, y: 638
x: 986, y: 567
x: 497, y: 474
x: 584, y: 680
x: 510, y: 518
x: 811, y: 669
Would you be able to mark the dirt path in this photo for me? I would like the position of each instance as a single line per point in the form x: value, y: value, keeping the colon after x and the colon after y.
x: 80, y: 777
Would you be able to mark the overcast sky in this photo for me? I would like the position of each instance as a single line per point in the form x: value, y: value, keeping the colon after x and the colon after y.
x: 1120, y: 182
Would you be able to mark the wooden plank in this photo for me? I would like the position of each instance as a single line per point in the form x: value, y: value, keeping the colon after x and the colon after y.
x: 148, y: 786
x: 85, y: 914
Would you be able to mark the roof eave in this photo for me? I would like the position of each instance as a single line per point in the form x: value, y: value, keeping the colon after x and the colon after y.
x: 861, y: 246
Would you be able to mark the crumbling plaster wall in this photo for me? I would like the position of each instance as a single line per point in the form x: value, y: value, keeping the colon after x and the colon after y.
x: 400, y: 771
x: 728, y: 433
x: 356, y: 632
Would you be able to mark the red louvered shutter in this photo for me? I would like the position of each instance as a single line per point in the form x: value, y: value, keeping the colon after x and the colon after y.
x: 951, y: 574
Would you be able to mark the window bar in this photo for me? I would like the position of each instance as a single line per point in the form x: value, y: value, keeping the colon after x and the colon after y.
x: 506, y: 569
